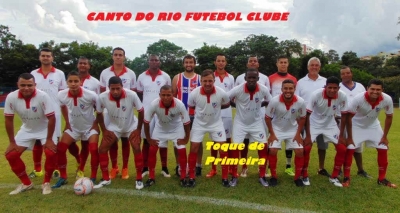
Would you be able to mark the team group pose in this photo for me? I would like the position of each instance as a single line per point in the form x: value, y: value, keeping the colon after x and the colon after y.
x: 270, y: 111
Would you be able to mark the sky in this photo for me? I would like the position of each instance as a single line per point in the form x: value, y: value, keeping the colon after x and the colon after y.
x: 366, y: 27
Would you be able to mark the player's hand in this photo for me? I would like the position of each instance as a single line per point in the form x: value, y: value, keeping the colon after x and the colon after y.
x: 13, y: 147
x: 153, y: 142
x: 271, y: 139
x: 342, y: 140
x: 350, y: 142
x: 134, y: 137
x: 298, y: 139
x: 384, y: 141
x: 95, y: 126
x: 109, y: 136
x: 50, y: 145
x: 183, y: 141
x: 68, y: 126
x: 307, y: 141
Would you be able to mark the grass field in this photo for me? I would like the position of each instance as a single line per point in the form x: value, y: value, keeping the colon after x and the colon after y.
x: 364, y: 195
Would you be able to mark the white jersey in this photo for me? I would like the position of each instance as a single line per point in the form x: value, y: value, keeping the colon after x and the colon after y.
x: 226, y: 82
x: 352, y: 92
x: 120, y: 111
x: 323, y: 108
x: 91, y: 83
x: 127, y: 76
x: 169, y: 119
x: 366, y: 113
x: 248, y: 104
x: 53, y: 82
x: 150, y: 85
x: 208, y: 106
x: 32, y: 111
x: 80, y: 108
x: 285, y: 115
x: 306, y: 86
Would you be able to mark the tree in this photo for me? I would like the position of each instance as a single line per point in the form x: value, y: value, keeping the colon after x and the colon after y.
x: 206, y: 55
x: 333, y: 56
x: 138, y: 64
x: 349, y: 58
x: 291, y: 47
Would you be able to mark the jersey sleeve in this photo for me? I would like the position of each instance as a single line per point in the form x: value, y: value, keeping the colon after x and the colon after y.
x: 311, y: 103
x: 133, y: 81
x: 137, y: 103
x: 148, y: 114
x: 344, y: 104
x: 96, y: 102
x: 168, y: 79
x: 389, y: 105
x: 233, y: 93
x: 9, y: 107
x: 192, y: 99
x: 184, y: 113
x: 270, y: 110
x: 267, y: 94
x: 60, y: 98
x: 103, y: 82
x: 225, y: 98
x: 63, y: 84
x: 302, y: 110
x: 139, y: 85
x: 46, y: 105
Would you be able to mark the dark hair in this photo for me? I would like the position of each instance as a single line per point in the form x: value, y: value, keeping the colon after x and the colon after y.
x: 250, y: 70
x: 207, y: 72
x: 153, y: 55
x: 114, y: 80
x: 345, y: 67
x: 281, y: 57
x: 288, y: 81
x: 189, y: 57
x: 376, y: 82
x: 72, y: 73
x: 46, y: 50
x: 166, y: 87
x: 26, y: 76
x: 118, y: 48
x: 84, y: 58
x: 220, y: 54
x: 332, y: 80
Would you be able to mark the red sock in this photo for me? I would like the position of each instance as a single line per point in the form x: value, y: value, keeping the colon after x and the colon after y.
x: 62, y: 159
x: 234, y: 154
x: 224, y: 168
x: 145, y: 152
x: 49, y: 164
x: 18, y: 166
x: 347, y: 162
x: 94, y: 160
x: 37, y: 153
x: 152, y: 161
x: 114, y: 155
x: 299, y: 164
x: 84, y: 154
x: 243, y: 152
x: 126, y: 151
x: 192, y: 164
x: 272, y: 165
x: 214, y: 153
x: 74, y: 151
x: 382, y: 163
x: 103, y: 161
x: 339, y: 159
x: 163, y: 156
x: 262, y: 154
x: 139, y: 165
x: 307, y: 151
x: 182, y: 162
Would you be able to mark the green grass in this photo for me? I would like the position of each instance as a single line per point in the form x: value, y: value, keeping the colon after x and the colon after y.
x: 364, y: 195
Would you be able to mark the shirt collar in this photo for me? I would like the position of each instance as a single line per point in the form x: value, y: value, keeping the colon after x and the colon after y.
x: 158, y: 72
x: 124, y: 70
x: 247, y: 91
x: 161, y: 105
x: 22, y: 97
x: 326, y: 96
x: 123, y: 95
x: 204, y: 92
x: 367, y: 98
x: 80, y: 93
x: 53, y: 69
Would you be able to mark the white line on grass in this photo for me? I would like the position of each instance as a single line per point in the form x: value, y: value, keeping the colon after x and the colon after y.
x: 196, y: 199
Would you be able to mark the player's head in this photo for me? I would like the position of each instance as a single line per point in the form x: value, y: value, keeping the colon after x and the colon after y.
x: 332, y: 86
x: 282, y: 64
x: 154, y: 62
x: 189, y: 63
x: 313, y: 66
x: 166, y: 95
x: 84, y: 65
x: 375, y: 88
x: 26, y: 84
x: 345, y: 74
x: 118, y: 56
x: 251, y: 78
x: 45, y: 56
x: 73, y: 81
x: 220, y: 62
x: 115, y: 86
x: 288, y: 88
x: 207, y: 80
x: 252, y: 62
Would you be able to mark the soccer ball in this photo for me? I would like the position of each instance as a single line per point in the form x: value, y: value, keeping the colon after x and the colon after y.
x: 83, y: 186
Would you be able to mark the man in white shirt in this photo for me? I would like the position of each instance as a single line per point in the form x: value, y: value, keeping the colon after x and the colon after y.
x: 35, y: 108
x: 120, y: 103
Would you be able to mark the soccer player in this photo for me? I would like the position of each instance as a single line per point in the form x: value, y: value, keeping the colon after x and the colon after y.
x: 252, y: 62
x: 171, y: 113
x: 321, y: 110
x: 249, y: 97
x: 128, y: 78
x: 276, y: 80
x: 285, y: 117
x: 304, y: 88
x: 91, y: 83
x: 35, y: 108
x: 208, y: 101
x: 182, y: 85
x: 148, y: 89
x: 77, y: 106
x: 50, y: 80
x: 225, y: 81
x: 364, y: 111
x: 119, y: 103
x: 352, y: 88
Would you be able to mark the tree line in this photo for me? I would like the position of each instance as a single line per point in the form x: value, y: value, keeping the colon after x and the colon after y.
x: 17, y: 57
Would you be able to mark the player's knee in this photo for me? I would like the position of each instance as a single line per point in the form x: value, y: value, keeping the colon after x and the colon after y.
x: 12, y: 156
x: 273, y: 151
x: 299, y: 152
x: 62, y: 147
x: 49, y: 153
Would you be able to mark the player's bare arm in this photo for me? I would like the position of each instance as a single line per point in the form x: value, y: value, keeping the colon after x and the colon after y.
x: 64, y: 111
x: 307, y: 139
x: 272, y: 136
x: 343, y: 125
x: 349, y: 128
x: 135, y: 135
x: 9, y: 122
x: 174, y: 86
x: 225, y: 106
x: 300, y: 125
x: 388, y: 124
x: 185, y: 140
x: 50, y: 130
x: 150, y: 140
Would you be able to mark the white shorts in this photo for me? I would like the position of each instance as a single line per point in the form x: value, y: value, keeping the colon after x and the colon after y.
x: 122, y: 134
x: 371, y: 136
x: 152, y: 124
x: 286, y: 137
x: 330, y: 134
x: 106, y: 118
x: 227, y: 126
x: 359, y: 149
x: 255, y: 131
x: 163, y: 137
x: 26, y: 139
x: 264, y: 126
x: 57, y: 130
x: 216, y: 133
x: 83, y: 136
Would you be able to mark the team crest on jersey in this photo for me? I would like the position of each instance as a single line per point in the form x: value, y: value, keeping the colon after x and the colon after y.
x: 82, y: 106
x: 256, y: 100
x: 51, y: 81
x: 158, y: 83
x: 172, y: 115
x: 214, y: 105
x: 86, y: 87
x: 377, y: 109
x: 334, y: 107
x: 293, y: 110
x: 261, y: 135
x: 124, y: 80
x: 226, y: 131
x: 226, y: 85
x: 219, y: 134
x: 11, y: 106
x: 34, y: 109
x: 123, y: 108
x: 336, y: 136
